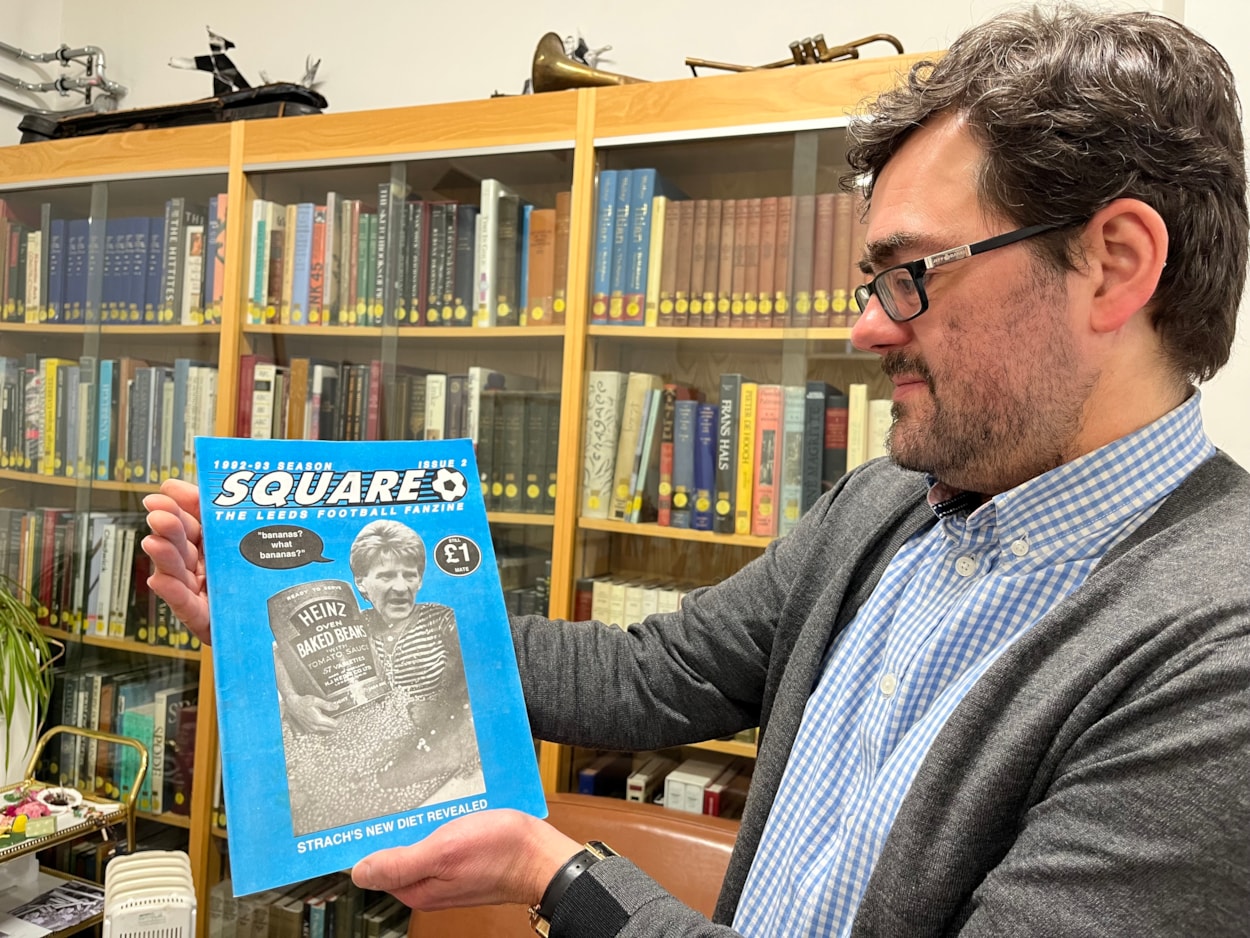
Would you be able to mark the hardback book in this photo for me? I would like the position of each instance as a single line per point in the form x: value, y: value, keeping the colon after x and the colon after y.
x: 366, y: 681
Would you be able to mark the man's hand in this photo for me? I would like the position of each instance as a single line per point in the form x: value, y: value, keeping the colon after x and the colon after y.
x: 311, y: 714
x: 177, y: 555
x: 488, y: 858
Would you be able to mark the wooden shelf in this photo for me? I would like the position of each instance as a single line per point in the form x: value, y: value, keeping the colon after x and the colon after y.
x: 140, y: 153
x: 672, y: 534
x: 695, y: 333
x: 57, y: 328
x: 413, y: 333
x: 520, y: 517
x: 126, y: 645
x: 36, y: 478
x: 508, y: 124
x: 730, y: 747
x: 167, y: 817
x: 714, y: 105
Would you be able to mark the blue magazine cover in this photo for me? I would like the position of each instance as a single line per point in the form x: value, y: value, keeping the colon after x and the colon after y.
x: 367, y: 687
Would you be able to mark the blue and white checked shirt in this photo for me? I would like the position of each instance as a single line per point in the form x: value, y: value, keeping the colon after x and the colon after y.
x: 950, y: 602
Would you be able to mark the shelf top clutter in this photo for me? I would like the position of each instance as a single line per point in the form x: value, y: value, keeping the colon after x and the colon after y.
x: 708, y: 106
x: 51, y: 829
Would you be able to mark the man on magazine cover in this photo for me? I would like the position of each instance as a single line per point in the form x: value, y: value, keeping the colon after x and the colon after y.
x: 362, y: 753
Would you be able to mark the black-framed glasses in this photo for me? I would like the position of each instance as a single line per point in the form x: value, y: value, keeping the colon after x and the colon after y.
x: 900, y: 289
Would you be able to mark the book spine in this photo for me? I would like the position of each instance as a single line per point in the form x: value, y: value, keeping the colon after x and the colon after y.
x: 793, y: 423
x: 727, y: 453
x: 643, y: 188
x: 704, y: 466
x: 560, y: 277
x: 766, y: 492
x: 684, y: 423
x: 620, y: 245
x: 605, y: 227
x: 745, y: 476
x: 698, y: 262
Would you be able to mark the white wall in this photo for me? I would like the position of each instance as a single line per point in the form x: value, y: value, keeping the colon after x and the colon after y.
x: 31, y: 27
x: 1226, y: 399
x: 380, y: 53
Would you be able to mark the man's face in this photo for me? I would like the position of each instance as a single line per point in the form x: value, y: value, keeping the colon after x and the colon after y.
x: 988, y: 383
x: 391, y: 586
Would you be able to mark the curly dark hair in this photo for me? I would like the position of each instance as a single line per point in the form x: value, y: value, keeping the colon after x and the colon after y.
x: 1077, y: 108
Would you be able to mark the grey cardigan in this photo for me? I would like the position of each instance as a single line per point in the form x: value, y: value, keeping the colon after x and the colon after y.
x: 1095, y: 781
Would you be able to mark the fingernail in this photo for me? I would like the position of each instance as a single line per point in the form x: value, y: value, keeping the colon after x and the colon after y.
x: 362, y: 874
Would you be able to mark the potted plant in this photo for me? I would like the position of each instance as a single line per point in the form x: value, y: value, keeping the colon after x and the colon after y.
x: 26, y: 657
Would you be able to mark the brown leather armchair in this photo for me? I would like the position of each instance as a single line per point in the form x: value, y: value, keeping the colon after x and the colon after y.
x: 685, y: 853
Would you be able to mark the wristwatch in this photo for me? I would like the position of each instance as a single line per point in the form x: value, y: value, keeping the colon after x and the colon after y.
x: 590, y: 854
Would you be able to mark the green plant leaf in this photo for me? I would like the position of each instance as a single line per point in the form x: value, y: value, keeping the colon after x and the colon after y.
x: 26, y: 657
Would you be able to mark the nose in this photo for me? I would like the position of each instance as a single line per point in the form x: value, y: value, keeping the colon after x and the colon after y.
x: 874, y: 331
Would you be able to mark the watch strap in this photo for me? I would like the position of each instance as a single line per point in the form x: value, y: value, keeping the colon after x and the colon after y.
x: 590, y: 854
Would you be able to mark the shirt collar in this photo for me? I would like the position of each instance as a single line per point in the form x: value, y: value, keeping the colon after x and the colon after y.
x: 1102, y: 486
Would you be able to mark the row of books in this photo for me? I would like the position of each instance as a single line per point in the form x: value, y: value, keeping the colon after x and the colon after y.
x: 622, y: 600
x: 663, y: 260
x: 163, y: 269
x: 501, y: 262
x: 327, y: 907
x: 752, y: 462
x: 710, y: 783
x: 108, y: 419
x: 84, y: 573
x: 515, y: 425
x: 154, y: 704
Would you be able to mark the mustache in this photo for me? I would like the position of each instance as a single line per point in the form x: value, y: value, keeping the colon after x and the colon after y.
x: 900, y: 363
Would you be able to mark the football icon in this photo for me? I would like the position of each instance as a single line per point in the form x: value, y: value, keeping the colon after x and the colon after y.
x: 449, y: 484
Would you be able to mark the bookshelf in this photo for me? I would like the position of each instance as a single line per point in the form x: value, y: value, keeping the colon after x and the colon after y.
x: 742, y: 136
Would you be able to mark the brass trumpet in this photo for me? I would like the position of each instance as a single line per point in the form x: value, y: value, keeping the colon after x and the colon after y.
x: 552, y: 70
x: 811, y: 50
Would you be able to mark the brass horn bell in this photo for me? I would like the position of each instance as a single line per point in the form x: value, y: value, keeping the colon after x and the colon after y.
x: 554, y: 71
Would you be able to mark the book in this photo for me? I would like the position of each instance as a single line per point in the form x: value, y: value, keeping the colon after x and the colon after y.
x: 366, y: 679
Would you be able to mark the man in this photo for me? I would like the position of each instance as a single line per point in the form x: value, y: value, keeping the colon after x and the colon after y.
x: 410, y: 747
x: 362, y: 755
x: 1002, y: 678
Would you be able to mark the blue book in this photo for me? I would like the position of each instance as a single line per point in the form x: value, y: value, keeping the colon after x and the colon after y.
x: 685, y: 417
x: 76, y: 270
x: 154, y: 270
x: 523, y: 259
x: 139, y: 269
x: 704, y: 466
x: 605, y: 227
x: 104, y: 425
x: 620, y: 245
x: 335, y: 570
x: 301, y: 274
x: 56, y: 249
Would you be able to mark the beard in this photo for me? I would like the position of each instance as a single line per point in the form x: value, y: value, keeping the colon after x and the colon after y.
x: 988, y: 426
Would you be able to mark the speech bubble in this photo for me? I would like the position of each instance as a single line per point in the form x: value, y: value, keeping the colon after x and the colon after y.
x: 282, y: 547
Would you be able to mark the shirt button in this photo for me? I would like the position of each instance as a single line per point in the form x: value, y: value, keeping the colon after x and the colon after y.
x: 888, y: 684
x: 966, y: 566
x: 1020, y: 547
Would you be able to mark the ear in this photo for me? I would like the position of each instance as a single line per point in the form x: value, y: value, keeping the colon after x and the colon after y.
x: 1126, y: 245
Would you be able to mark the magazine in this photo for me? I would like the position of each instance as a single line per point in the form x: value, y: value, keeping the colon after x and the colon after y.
x: 367, y: 687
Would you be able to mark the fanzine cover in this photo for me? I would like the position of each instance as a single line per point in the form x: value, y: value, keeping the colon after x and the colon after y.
x: 367, y: 688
